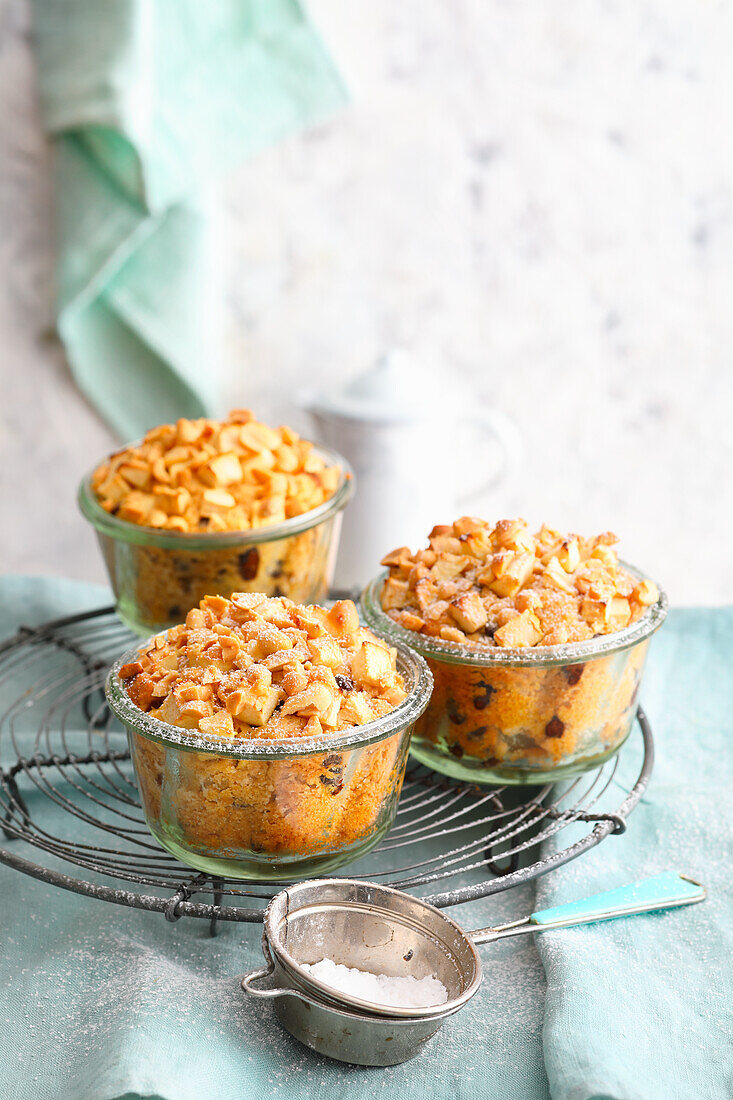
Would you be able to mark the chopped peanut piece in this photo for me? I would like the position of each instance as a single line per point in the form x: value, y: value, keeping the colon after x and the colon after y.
x: 504, y: 586
x: 294, y: 680
x: 196, y: 619
x: 343, y: 618
x: 569, y: 555
x: 313, y: 727
x: 217, y: 605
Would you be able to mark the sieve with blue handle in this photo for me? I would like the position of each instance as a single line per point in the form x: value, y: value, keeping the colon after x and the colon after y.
x: 381, y: 930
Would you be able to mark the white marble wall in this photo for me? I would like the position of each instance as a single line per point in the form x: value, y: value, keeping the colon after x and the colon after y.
x: 536, y: 197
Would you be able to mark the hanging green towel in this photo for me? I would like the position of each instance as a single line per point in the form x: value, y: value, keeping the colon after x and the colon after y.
x: 147, y: 101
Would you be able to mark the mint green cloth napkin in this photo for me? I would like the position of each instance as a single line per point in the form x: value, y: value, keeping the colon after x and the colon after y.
x: 147, y: 101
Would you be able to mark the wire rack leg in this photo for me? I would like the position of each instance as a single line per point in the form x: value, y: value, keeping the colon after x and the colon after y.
x: 216, y: 884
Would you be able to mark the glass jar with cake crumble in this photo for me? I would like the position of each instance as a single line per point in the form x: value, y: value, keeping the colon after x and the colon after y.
x: 536, y: 642
x: 269, y: 740
x: 206, y: 507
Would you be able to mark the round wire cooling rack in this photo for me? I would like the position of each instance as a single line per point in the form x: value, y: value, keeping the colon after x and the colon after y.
x: 67, y: 788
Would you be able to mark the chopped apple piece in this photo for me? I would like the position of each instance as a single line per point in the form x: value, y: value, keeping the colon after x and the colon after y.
x: 522, y: 630
x: 395, y: 594
x: 219, y: 724
x: 251, y: 706
x: 469, y: 612
x: 315, y: 699
x: 223, y: 469
x: 372, y: 664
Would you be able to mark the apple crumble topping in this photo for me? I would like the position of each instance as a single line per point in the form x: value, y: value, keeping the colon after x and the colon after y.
x: 504, y: 586
x: 211, y: 475
x: 254, y: 666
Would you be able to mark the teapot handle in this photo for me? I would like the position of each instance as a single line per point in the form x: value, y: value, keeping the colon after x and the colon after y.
x: 510, y: 441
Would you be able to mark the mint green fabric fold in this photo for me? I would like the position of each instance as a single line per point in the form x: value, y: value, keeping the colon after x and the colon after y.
x: 148, y: 102
x: 641, y: 1008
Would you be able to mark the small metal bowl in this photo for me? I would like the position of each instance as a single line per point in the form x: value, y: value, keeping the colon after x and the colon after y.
x: 372, y: 928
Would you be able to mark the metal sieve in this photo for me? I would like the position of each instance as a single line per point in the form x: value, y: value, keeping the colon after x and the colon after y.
x: 382, y: 930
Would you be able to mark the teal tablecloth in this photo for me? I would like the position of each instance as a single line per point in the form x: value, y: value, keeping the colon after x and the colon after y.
x: 103, y: 1002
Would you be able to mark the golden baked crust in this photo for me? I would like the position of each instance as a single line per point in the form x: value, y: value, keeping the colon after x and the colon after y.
x: 264, y: 667
x: 215, y: 475
x: 504, y: 586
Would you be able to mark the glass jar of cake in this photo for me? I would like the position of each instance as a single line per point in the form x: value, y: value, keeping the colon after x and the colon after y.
x: 536, y: 642
x: 213, y: 507
x: 269, y: 740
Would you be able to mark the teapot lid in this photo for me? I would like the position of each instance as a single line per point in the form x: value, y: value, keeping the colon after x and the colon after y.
x: 395, y: 389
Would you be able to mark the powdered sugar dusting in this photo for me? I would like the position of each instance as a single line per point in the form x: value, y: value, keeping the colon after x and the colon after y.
x: 404, y: 991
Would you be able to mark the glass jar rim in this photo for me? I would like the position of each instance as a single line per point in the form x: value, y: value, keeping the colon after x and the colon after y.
x: 123, y: 530
x: 409, y: 664
x: 532, y: 656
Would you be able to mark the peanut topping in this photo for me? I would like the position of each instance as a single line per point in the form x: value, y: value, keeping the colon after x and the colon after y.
x: 211, y: 475
x: 504, y: 586
x: 258, y: 667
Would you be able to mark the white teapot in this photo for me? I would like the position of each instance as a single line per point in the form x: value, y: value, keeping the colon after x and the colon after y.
x: 419, y: 457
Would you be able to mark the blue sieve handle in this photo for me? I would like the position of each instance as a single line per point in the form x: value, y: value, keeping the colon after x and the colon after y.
x: 660, y: 892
